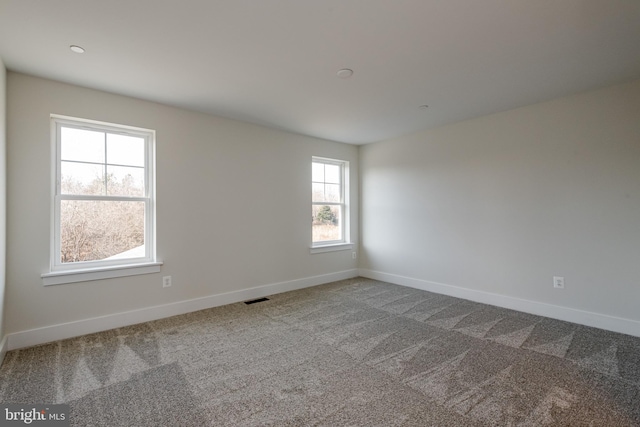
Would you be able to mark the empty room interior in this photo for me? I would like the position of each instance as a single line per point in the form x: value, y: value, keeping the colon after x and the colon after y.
x: 340, y: 212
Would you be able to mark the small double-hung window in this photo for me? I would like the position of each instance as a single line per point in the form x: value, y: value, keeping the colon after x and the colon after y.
x: 329, y: 202
x: 103, y: 203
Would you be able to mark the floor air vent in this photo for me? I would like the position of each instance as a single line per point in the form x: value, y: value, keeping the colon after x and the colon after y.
x: 253, y: 301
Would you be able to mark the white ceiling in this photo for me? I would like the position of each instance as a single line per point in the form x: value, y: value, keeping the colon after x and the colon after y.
x: 274, y: 62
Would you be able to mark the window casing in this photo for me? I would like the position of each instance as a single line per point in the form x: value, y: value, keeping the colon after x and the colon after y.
x: 103, y: 197
x: 329, y: 202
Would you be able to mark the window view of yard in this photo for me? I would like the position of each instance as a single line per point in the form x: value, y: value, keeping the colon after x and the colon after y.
x: 327, y: 201
x: 102, y: 189
x: 96, y: 230
x: 326, y: 223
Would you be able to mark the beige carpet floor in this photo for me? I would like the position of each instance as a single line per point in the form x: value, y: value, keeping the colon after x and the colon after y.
x: 357, y: 352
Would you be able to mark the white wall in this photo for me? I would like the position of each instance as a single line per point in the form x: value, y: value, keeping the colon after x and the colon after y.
x: 233, y: 205
x: 3, y: 200
x: 502, y: 203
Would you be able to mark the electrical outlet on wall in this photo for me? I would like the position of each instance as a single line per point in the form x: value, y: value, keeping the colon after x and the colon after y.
x: 166, y: 281
x: 558, y: 282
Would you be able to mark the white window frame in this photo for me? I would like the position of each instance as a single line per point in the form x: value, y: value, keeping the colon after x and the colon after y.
x: 93, y: 270
x: 345, y: 242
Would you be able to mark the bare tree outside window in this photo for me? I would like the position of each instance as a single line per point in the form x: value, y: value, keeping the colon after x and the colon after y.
x: 93, y: 230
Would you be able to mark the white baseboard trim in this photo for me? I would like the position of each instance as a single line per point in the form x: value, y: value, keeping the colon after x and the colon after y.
x: 77, y: 328
x: 3, y: 348
x: 587, y: 318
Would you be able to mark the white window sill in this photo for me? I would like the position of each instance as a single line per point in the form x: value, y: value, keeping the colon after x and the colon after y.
x: 331, y: 248
x: 88, y: 274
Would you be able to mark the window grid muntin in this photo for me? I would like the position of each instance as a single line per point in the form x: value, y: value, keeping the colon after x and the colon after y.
x: 105, y: 130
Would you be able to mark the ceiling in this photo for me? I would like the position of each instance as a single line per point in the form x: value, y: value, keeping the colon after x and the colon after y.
x: 274, y: 62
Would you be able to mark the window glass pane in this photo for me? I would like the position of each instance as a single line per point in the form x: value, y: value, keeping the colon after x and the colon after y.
x: 125, y: 181
x: 317, y: 191
x: 317, y: 172
x: 125, y: 150
x: 332, y: 193
x: 326, y: 222
x: 332, y: 174
x: 82, y: 145
x: 100, y: 230
x: 81, y: 178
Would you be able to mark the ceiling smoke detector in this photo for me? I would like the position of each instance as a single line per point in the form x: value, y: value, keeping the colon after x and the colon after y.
x: 345, y: 73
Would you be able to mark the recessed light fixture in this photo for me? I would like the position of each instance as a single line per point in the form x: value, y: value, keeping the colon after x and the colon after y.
x: 423, y: 107
x: 76, y: 49
x: 345, y: 73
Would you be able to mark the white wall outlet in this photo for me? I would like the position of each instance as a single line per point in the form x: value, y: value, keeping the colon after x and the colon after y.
x: 354, y: 255
x: 558, y: 282
x: 166, y: 281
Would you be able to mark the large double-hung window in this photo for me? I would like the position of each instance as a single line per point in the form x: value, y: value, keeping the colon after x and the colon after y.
x: 103, y: 198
